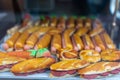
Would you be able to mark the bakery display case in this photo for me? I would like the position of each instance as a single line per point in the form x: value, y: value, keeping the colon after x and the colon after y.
x: 59, y: 39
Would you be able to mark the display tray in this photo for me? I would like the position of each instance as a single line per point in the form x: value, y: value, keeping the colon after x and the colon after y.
x: 45, y: 75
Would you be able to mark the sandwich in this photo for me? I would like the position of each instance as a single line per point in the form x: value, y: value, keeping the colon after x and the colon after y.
x: 67, y: 68
x: 31, y: 66
x: 6, y: 61
x: 99, y: 69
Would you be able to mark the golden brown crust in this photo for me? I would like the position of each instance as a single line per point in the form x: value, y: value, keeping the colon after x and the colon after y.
x: 82, y: 31
x: 21, y: 40
x: 67, y: 34
x: 89, y: 41
x: 3, y: 54
x: 100, y: 67
x: 32, y: 29
x: 43, y: 42
x: 54, y: 31
x: 110, y: 55
x: 11, y: 41
x: 69, y: 65
x: 108, y: 41
x: 57, y: 41
x: 32, y: 39
x: 64, y: 54
x: 96, y: 31
x: 10, y: 60
x: 78, y: 41
x: 32, y: 65
x: 90, y: 55
x: 99, y: 42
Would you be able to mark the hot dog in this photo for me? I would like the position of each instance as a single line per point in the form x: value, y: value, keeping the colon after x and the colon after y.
x: 99, y: 42
x: 108, y: 41
x: 56, y: 43
x: 82, y: 31
x: 31, y: 41
x: 21, y: 40
x: 11, y: 41
x: 70, y: 22
x: 78, y: 42
x: 43, y: 42
x: 67, y: 67
x: 66, y: 36
x: 87, y: 42
x: 97, y: 48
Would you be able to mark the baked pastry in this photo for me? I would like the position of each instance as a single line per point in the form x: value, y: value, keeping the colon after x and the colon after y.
x: 82, y: 31
x: 43, y: 42
x: 77, y: 42
x: 31, y: 66
x: 21, y: 40
x: 67, y: 67
x: 65, y: 53
x: 90, y: 55
x: 110, y: 55
x: 6, y: 62
x: 11, y: 41
x: 99, y: 69
x: 56, y: 43
x: 108, y: 41
x: 88, y: 44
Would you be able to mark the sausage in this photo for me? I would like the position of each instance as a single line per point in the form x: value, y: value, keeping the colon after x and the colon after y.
x: 108, y: 41
x: 74, y: 44
x: 78, y: 42
x: 99, y: 42
x: 87, y: 42
x: 97, y: 48
x: 21, y: 40
x: 43, y: 42
x: 56, y: 42
x: 82, y: 31
x: 70, y: 22
x: 11, y: 41
x: 31, y: 41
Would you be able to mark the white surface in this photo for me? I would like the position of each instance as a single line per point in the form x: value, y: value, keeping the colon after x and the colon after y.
x: 2, y: 15
x: 46, y: 76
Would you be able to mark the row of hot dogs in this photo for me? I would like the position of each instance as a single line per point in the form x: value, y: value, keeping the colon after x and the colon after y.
x: 55, y: 39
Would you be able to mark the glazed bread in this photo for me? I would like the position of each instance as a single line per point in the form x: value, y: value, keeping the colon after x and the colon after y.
x: 90, y: 55
x: 32, y: 65
x: 100, y: 67
x: 110, y: 55
x: 66, y: 65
